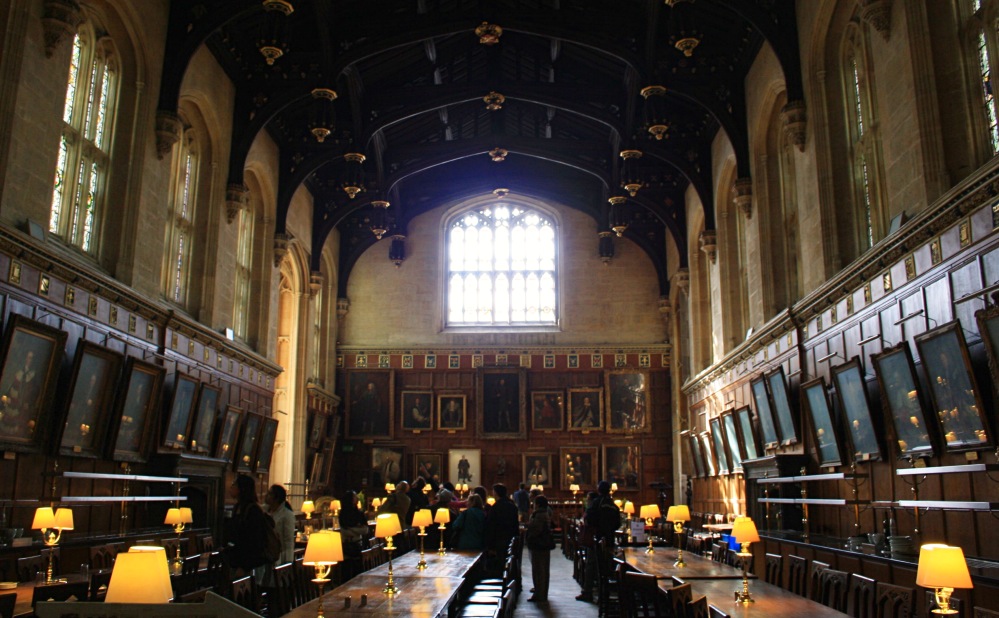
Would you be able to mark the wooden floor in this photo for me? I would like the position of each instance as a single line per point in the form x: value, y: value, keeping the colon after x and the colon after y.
x: 562, y: 592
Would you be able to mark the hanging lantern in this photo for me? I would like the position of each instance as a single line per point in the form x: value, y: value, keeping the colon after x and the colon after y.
x: 683, y: 33
x: 501, y: 193
x: 272, y: 43
x: 324, y: 121
x: 630, y: 180
x: 498, y: 155
x: 655, y: 111
x: 397, y: 250
x: 489, y: 34
x: 618, y: 223
x: 494, y: 101
x: 378, y: 224
x: 606, y: 245
x: 353, y: 176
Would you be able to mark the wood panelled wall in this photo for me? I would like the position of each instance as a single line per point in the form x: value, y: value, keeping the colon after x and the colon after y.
x: 939, y: 267
x: 353, y: 464
x: 38, y: 283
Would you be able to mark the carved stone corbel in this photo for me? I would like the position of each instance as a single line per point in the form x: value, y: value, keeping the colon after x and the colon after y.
x: 280, y: 248
x: 237, y: 196
x: 342, y: 305
x: 708, y: 241
x: 168, y: 131
x: 315, y: 282
x: 681, y: 279
x: 743, y: 196
x: 666, y: 311
x: 61, y: 18
x: 795, y: 121
x: 877, y: 13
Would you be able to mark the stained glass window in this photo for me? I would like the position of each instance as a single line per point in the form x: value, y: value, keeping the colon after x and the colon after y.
x: 84, y: 150
x: 244, y: 273
x: 984, y: 50
x: 181, y: 227
x: 502, y: 267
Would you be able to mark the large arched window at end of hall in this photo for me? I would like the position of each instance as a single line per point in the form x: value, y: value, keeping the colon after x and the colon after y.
x: 85, y: 145
x: 180, y: 230
x: 501, y: 264
x: 864, y: 146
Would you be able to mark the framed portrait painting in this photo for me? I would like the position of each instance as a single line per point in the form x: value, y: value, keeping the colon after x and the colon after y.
x: 136, y: 410
x: 764, y: 411
x: 322, y: 464
x: 317, y: 428
x: 501, y: 396
x: 96, y: 370
x: 268, y: 434
x: 178, y: 421
x: 627, y: 400
x: 369, y: 398
x: 825, y: 433
x: 417, y: 409
x: 851, y: 390
x: 246, y: 454
x: 586, y: 409
x: 464, y: 465
x: 747, y: 434
x: 451, y: 412
x: 902, y: 398
x: 537, y: 468
x: 547, y: 410
x: 386, y: 465
x: 428, y: 465
x: 718, y: 444
x: 32, y: 355
x: 578, y: 465
x: 622, y: 464
x: 203, y: 427
x: 694, y: 445
x: 225, y: 446
x: 954, y: 393
x: 787, y: 420
x: 710, y: 465
x: 729, y: 427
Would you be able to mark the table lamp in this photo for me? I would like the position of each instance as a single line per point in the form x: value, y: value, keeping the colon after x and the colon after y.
x: 386, y: 526
x: 389, y: 488
x: 574, y: 488
x: 52, y: 523
x: 325, y: 549
x: 308, y: 508
x: 650, y: 512
x: 375, y: 503
x: 178, y: 518
x: 943, y: 568
x: 442, y: 517
x: 744, y: 531
x: 140, y: 575
x: 613, y: 488
x: 335, y: 507
x: 678, y: 513
x: 490, y: 500
x: 422, y: 519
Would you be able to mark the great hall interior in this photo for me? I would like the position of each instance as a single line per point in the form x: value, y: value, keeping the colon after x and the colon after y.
x: 733, y: 254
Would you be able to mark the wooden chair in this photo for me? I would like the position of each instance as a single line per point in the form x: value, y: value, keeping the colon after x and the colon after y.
x: 102, y: 557
x: 305, y: 590
x: 797, y: 575
x: 698, y: 608
x: 60, y: 592
x: 773, y: 573
x: 171, y: 546
x: 640, y: 597
x: 719, y: 552
x: 714, y: 612
x: 195, y: 596
x: 981, y: 612
x: 892, y: 601
x: 187, y: 581
x: 815, y: 580
x: 28, y: 567
x: 205, y: 542
x: 608, y: 586
x: 861, y: 603
x: 281, y: 597
x: 212, y: 577
x: 98, y: 588
x: 679, y: 597
x: 955, y: 604
x: 835, y: 588
x: 7, y: 602
x: 243, y: 592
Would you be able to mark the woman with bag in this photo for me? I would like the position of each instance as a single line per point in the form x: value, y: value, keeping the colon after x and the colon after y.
x: 541, y: 542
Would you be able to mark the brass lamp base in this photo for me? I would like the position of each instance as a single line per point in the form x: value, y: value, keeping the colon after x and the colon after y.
x: 679, y: 559
x: 743, y: 596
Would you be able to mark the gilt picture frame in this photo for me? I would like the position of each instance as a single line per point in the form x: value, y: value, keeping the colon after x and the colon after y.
x: 136, y: 411
x: 764, y: 412
x: 501, y: 397
x: 824, y: 428
x: 851, y: 392
x: 547, y: 410
x: 729, y: 425
x: 696, y: 456
x: 538, y: 469
x: 225, y: 445
x: 748, y: 440
x: 178, y: 418
x: 370, y: 395
x: 88, y: 410
x: 622, y: 464
x: 464, y: 465
x: 578, y: 464
x: 417, y: 410
x: 249, y: 438
x: 204, y: 420
x: 627, y: 392
x: 265, y: 450
x: 452, y: 412
x: 585, y: 409
x: 784, y: 414
x: 719, y: 446
x: 903, y: 399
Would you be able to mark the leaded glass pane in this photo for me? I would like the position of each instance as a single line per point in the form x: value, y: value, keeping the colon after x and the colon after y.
x: 57, y: 190
x: 73, y: 81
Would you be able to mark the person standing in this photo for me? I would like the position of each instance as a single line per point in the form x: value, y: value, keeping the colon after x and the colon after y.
x: 280, y: 511
x: 468, y: 531
x: 602, y: 520
x: 523, y: 502
x: 588, y: 541
x: 540, y: 542
x: 501, y: 526
x: 398, y: 502
x: 245, y: 534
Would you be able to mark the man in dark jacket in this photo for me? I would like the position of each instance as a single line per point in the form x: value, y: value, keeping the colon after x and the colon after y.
x: 501, y: 526
x: 602, y: 520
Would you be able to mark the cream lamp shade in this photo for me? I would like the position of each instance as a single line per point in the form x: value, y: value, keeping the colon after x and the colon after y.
x: 376, y: 502
x: 423, y: 518
x: 490, y: 501
x: 942, y: 566
x: 179, y: 516
x: 650, y: 511
x: 334, y: 505
x: 618, y: 503
x: 47, y: 518
x: 744, y: 530
x: 308, y: 507
x: 678, y: 512
x: 442, y: 516
x: 386, y: 525
x: 629, y: 507
x: 140, y: 575
x: 613, y: 486
x: 325, y: 547
x: 390, y: 487
x: 573, y: 487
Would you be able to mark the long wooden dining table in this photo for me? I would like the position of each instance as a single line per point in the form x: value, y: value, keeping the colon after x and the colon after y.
x: 661, y: 564
x: 769, y: 601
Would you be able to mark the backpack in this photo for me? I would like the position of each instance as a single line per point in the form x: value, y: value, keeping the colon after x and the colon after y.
x: 272, y: 542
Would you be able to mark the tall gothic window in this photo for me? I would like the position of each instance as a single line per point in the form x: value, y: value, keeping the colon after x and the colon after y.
x: 84, y: 148
x: 244, y: 273
x: 180, y: 227
x: 986, y: 32
x: 501, y: 270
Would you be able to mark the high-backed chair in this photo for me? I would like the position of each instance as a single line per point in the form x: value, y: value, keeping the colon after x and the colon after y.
x: 861, y: 599
x: 714, y: 612
x: 7, y: 602
x: 835, y: 587
x: 76, y: 591
x: 102, y: 556
x: 640, y: 596
x: 243, y: 592
x: 281, y: 597
x: 893, y: 601
x: 28, y: 567
x: 774, y: 569
x: 679, y: 597
x: 981, y: 612
x: 698, y: 608
x: 797, y: 575
x: 206, y: 543
x: 99, y: 581
x: 815, y: 580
